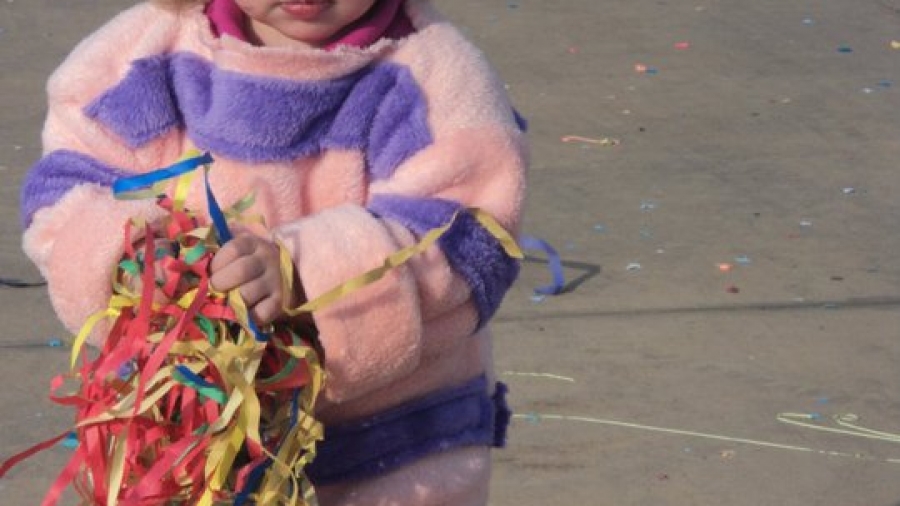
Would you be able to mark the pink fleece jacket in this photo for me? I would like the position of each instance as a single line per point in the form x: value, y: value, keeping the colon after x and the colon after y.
x: 352, y: 154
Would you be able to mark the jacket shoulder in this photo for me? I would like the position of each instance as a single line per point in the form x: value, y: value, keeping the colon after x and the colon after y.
x: 105, y: 55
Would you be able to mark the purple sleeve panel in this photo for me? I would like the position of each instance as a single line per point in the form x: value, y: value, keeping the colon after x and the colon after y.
x: 141, y: 107
x: 57, y: 173
x: 470, y: 249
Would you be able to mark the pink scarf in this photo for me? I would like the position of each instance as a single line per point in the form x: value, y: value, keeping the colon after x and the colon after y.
x: 386, y: 19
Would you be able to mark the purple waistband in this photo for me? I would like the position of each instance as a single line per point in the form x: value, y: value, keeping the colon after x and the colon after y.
x: 442, y: 421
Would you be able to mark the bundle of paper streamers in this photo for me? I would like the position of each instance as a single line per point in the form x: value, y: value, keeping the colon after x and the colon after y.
x: 188, y: 402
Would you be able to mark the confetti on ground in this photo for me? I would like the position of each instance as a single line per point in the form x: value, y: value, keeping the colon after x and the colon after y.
x: 742, y: 260
x: 540, y: 375
x: 733, y: 289
x: 725, y: 267
x: 18, y: 283
x: 640, y: 68
x: 844, y: 49
x: 70, y: 441
x: 632, y: 267
x: 682, y: 46
x: 895, y: 44
x: 602, y: 141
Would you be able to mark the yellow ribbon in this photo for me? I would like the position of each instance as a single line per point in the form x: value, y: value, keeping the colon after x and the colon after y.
x: 397, y: 259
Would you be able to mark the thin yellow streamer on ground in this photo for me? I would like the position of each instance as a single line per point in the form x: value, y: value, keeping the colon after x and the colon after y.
x: 846, y: 420
x: 704, y: 435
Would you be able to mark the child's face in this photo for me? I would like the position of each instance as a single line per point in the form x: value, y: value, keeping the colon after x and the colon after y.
x: 309, y: 23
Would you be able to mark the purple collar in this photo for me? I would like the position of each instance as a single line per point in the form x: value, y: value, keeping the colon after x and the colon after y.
x: 386, y: 19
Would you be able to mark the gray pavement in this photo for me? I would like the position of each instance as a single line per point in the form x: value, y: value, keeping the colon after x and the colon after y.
x: 759, y: 134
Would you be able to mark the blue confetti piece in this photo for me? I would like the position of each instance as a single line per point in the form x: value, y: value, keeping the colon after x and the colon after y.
x: 55, y: 343
x: 845, y: 49
x: 70, y: 441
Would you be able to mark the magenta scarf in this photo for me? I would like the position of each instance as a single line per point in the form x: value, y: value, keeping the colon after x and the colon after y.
x: 386, y: 19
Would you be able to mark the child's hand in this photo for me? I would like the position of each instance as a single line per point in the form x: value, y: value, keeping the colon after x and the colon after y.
x: 251, y: 264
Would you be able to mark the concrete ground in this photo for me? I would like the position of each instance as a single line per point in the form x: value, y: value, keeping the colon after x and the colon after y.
x: 732, y: 250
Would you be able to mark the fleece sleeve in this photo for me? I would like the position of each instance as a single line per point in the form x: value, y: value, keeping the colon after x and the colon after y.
x: 73, y: 227
x: 477, y: 159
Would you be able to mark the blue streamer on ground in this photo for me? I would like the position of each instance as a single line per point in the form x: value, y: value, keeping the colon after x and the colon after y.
x: 554, y: 263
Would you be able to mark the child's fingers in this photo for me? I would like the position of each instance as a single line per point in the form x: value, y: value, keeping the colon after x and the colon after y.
x: 262, y: 296
x: 240, y: 246
x: 266, y: 311
x: 251, y: 265
x: 238, y: 271
x: 259, y: 289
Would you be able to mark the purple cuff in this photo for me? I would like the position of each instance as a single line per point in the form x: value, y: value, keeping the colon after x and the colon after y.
x: 470, y: 249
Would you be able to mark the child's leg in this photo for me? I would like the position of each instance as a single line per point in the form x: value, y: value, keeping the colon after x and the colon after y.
x: 455, y: 478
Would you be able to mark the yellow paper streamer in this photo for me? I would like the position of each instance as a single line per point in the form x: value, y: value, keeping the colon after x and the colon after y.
x: 393, y: 261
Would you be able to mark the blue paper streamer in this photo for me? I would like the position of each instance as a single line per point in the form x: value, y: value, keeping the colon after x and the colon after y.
x: 144, y: 181
x: 554, y: 263
x: 192, y: 376
x: 215, y: 212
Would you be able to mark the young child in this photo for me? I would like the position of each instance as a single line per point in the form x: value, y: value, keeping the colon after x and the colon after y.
x: 359, y: 125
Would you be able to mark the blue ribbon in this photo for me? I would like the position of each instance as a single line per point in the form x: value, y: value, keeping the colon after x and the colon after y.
x: 215, y: 212
x: 192, y: 376
x: 554, y: 263
x: 144, y: 181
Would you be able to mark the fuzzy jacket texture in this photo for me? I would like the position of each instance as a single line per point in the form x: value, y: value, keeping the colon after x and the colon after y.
x: 352, y: 154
